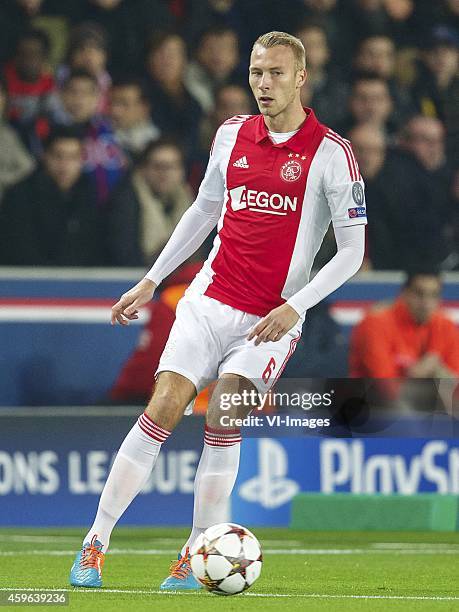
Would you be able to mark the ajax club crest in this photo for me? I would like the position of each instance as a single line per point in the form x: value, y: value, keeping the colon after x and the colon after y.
x: 291, y: 171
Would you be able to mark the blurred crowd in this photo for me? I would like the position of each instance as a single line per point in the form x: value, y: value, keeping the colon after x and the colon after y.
x: 108, y: 109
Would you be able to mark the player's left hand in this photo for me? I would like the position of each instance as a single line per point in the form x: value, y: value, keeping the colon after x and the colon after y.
x: 275, y: 325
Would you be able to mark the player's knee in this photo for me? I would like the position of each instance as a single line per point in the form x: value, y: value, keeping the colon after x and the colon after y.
x: 218, y: 418
x: 165, y: 407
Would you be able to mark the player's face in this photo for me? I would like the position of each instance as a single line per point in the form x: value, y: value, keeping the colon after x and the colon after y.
x: 274, y: 81
x: 423, y: 297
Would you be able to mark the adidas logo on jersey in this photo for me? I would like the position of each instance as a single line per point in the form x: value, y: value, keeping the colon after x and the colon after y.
x: 261, y: 201
x: 241, y: 162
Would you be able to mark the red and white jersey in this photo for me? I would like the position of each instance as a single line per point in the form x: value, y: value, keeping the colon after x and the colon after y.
x: 278, y: 200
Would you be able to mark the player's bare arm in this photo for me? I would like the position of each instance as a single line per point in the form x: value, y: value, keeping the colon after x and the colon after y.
x: 275, y: 325
x: 127, y: 307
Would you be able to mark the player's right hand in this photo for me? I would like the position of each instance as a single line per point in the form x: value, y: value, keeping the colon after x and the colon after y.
x: 127, y: 308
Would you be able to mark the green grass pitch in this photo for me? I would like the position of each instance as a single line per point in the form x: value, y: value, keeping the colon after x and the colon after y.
x: 301, y: 571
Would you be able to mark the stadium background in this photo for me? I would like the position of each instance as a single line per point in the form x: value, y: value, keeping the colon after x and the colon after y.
x: 59, y: 358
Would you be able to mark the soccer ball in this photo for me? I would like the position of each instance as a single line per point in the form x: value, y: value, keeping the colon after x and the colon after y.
x: 226, y: 559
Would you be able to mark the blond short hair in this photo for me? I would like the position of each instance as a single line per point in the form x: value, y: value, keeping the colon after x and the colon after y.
x: 272, y: 39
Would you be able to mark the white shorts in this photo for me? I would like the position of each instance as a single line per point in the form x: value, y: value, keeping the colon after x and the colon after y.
x: 209, y: 338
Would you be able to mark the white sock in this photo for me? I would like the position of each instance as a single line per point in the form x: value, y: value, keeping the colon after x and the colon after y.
x: 130, y: 471
x: 214, y: 481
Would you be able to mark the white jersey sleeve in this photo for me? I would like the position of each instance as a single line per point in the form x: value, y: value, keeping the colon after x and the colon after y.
x: 193, y: 228
x: 350, y: 242
x: 213, y: 185
x: 197, y: 222
x: 344, y: 187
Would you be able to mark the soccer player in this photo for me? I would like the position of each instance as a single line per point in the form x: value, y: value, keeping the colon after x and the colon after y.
x: 273, y: 183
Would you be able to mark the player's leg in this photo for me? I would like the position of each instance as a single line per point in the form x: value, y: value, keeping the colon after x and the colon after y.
x: 219, y: 463
x: 247, y: 372
x: 190, y: 357
x: 216, y: 473
x: 131, y: 469
x: 244, y: 368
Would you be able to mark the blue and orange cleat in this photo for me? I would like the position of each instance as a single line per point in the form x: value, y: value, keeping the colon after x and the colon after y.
x: 181, y: 577
x: 87, y: 568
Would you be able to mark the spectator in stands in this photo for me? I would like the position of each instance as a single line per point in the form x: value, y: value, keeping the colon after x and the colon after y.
x: 15, y: 161
x: 328, y: 13
x: 369, y: 145
x: 15, y: 17
x: 147, y: 206
x: 377, y: 54
x: 216, y: 60
x: 248, y: 19
x: 87, y: 50
x: 369, y: 102
x: 404, y: 214
x: 128, y: 24
x: 79, y: 99
x: 77, y: 103
x: 29, y: 84
x: 19, y: 16
x: 410, y: 339
x: 49, y: 219
x: 130, y: 115
x: 392, y: 18
x: 424, y: 138
x: 436, y: 91
x: 30, y: 7
x: 174, y: 109
x: 104, y: 160
x: 230, y: 100
x: 326, y: 92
